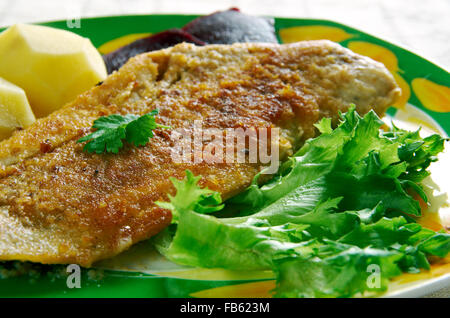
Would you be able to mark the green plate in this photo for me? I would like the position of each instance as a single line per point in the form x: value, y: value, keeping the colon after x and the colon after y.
x: 140, y: 272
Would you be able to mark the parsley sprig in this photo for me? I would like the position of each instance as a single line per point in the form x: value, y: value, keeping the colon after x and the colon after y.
x: 113, y: 129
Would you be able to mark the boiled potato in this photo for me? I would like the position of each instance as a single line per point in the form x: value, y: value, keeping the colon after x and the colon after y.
x: 15, y: 112
x: 53, y: 66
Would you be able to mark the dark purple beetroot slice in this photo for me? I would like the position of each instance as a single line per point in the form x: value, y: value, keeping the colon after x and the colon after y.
x: 117, y: 58
x: 231, y: 26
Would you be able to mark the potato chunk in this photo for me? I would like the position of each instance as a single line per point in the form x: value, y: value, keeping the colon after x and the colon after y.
x: 15, y: 112
x: 53, y: 66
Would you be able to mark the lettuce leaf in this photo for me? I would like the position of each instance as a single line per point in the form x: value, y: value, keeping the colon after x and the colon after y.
x: 335, y: 209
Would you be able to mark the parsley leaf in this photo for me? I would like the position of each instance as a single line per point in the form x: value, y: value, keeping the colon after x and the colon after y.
x: 113, y: 129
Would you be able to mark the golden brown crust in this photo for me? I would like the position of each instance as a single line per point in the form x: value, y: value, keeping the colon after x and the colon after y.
x: 61, y: 205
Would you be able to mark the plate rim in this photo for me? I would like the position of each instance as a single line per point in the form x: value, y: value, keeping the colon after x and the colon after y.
x: 427, y: 286
x: 385, y: 39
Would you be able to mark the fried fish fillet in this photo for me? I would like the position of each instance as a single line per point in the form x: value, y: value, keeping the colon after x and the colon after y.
x: 59, y: 204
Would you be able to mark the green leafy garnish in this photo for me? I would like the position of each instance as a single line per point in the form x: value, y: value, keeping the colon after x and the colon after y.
x: 113, y: 129
x: 337, y: 211
x: 190, y: 197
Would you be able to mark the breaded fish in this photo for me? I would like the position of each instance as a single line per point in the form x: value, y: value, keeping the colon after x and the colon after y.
x: 59, y: 204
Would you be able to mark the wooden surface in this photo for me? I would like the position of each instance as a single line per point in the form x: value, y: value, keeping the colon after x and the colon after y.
x: 421, y: 26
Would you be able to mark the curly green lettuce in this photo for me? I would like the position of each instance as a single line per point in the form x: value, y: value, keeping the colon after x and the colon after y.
x: 338, y: 208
